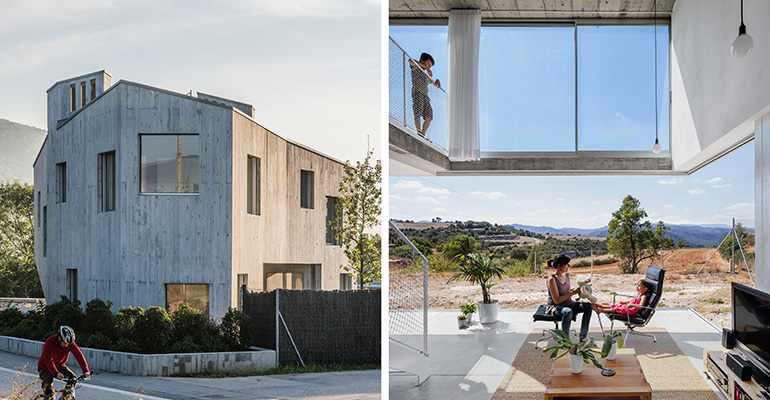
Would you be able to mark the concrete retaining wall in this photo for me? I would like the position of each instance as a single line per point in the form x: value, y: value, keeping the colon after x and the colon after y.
x: 151, y: 364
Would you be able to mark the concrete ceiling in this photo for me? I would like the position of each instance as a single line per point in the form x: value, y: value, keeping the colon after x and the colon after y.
x: 532, y: 9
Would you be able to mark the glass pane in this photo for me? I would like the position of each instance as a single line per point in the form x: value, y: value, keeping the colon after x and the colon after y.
x: 616, y: 103
x: 527, y: 89
x: 159, y: 155
x: 174, y: 296
x: 197, y: 297
x: 190, y: 146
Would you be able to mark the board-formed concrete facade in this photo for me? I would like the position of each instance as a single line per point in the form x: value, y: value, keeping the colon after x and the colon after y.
x: 150, y: 242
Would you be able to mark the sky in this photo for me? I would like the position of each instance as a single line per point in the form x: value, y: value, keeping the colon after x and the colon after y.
x: 715, y: 194
x: 310, y: 68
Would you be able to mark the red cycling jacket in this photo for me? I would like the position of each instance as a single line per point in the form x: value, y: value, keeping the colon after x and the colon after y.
x: 54, y: 356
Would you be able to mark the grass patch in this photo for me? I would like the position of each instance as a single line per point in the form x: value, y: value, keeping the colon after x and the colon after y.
x: 605, y: 290
x: 280, y: 371
x: 681, y: 293
x: 713, y: 301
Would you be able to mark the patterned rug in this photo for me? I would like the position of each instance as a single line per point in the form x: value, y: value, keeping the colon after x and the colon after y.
x: 669, y: 372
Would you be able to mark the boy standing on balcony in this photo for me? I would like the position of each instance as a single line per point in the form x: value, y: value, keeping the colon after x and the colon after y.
x: 421, y: 76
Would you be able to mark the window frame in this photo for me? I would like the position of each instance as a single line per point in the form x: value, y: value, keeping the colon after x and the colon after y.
x: 184, y: 286
x: 337, y: 239
x: 142, y: 170
x: 253, y: 185
x: 307, y: 196
x: 61, y: 182
x: 103, y: 188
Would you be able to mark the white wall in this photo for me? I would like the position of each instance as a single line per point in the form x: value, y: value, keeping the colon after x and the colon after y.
x: 762, y: 202
x: 716, y: 98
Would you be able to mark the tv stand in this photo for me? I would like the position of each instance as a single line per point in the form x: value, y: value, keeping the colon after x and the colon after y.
x: 715, y: 364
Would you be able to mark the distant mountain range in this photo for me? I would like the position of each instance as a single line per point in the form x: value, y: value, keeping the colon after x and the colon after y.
x: 692, y: 235
x: 19, y: 145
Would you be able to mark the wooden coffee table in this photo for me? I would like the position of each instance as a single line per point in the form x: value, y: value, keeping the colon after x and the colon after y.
x: 627, y: 383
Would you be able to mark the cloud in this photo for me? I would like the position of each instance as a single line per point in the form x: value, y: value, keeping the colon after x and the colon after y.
x: 426, y: 199
x: 723, y: 186
x: 489, y: 195
x: 409, y: 185
x: 672, y: 181
x: 714, y: 180
x: 668, y: 206
x: 741, y: 207
x: 439, y: 209
x: 559, y: 199
x: 565, y: 211
x: 696, y: 191
x: 436, y: 191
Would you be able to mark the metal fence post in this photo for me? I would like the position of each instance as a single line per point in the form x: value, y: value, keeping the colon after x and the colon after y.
x: 277, y: 328
x: 403, y: 70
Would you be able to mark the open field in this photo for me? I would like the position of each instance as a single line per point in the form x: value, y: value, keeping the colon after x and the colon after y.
x: 708, y: 292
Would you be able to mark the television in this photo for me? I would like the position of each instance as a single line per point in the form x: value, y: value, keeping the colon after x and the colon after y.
x: 751, y: 324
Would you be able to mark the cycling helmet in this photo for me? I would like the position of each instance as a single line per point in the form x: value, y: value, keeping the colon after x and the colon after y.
x: 67, y: 334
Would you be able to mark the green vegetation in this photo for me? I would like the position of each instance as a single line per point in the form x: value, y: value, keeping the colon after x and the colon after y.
x: 360, y: 204
x: 712, y: 300
x: 18, y: 273
x: 281, y: 371
x: 632, y: 240
x: 133, y: 330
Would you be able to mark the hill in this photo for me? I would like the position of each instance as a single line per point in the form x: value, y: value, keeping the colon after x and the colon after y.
x: 19, y: 145
x: 691, y: 235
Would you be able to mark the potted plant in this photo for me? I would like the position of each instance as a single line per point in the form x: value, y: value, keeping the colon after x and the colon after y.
x: 578, y: 354
x: 481, y: 270
x: 465, y: 319
x: 612, y: 343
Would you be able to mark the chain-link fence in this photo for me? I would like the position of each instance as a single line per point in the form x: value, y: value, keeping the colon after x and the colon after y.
x: 408, y: 293
x: 412, y: 95
x: 318, y: 327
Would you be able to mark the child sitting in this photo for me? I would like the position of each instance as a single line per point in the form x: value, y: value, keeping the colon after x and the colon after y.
x: 627, y: 307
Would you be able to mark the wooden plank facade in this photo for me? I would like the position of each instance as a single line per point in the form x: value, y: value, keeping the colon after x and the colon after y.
x: 130, y: 254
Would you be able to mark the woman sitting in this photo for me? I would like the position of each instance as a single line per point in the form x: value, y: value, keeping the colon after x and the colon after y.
x: 630, y: 308
x: 560, y: 301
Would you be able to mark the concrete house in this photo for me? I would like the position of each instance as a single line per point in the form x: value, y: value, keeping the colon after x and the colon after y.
x: 147, y: 197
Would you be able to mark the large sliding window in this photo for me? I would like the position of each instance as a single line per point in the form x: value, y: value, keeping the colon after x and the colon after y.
x: 169, y: 163
x: 561, y: 87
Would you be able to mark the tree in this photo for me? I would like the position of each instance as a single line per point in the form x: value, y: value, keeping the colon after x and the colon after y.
x: 18, y: 274
x: 359, y: 209
x: 460, y: 247
x: 632, y: 240
x: 480, y: 270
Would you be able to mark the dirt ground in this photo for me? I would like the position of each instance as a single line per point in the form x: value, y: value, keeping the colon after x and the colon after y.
x: 707, y: 293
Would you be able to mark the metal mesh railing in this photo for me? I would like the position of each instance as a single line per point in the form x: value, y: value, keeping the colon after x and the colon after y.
x: 401, y: 103
x: 408, y: 293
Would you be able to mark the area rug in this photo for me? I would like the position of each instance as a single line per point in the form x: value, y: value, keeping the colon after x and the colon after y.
x: 669, y: 372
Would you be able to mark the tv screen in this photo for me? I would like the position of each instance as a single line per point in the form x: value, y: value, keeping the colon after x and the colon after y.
x: 751, y: 323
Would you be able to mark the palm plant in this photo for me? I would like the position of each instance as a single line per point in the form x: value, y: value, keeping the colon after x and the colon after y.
x: 479, y: 270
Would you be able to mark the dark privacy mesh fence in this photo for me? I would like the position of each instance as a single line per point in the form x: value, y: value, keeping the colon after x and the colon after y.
x: 321, y: 327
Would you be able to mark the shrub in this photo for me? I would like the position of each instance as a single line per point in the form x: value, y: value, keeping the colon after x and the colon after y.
x: 100, y: 319
x: 214, y: 343
x: 439, y: 263
x: 64, y: 312
x: 24, y: 329
x: 581, y: 264
x: 97, y: 341
x: 152, y: 330
x: 126, y: 345
x: 11, y: 317
x: 125, y: 320
x: 237, y: 330
x: 187, y: 345
x: 188, y: 321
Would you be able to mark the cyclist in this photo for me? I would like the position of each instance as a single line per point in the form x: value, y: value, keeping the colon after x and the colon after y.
x: 53, y: 360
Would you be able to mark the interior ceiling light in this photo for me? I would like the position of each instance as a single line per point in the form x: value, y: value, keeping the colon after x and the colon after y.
x: 656, y: 146
x: 743, y: 44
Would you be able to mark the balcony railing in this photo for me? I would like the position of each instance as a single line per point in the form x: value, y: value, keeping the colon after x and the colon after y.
x: 401, y: 103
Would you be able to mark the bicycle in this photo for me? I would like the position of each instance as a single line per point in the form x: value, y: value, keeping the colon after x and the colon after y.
x: 68, y: 393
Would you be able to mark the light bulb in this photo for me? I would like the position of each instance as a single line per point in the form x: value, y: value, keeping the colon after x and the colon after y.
x: 743, y: 44
x: 656, y: 147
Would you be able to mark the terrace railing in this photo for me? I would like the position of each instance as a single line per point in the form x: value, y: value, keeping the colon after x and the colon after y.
x: 400, y: 98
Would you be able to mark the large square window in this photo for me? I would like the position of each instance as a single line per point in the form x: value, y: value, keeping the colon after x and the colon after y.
x: 194, y: 295
x: 169, y: 163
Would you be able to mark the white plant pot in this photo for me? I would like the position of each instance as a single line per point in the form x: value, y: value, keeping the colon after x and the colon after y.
x: 488, y: 312
x: 464, y: 323
x: 575, y: 363
x: 613, y: 351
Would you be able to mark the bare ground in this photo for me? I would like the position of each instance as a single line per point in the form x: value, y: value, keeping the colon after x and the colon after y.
x: 707, y: 293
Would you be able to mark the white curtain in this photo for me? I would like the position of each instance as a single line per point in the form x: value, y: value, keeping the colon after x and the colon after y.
x: 463, y: 87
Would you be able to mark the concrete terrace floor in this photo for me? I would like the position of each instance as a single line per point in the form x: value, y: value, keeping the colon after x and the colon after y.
x: 470, y: 364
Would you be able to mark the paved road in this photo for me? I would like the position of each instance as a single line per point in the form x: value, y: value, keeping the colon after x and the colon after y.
x: 332, y: 385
